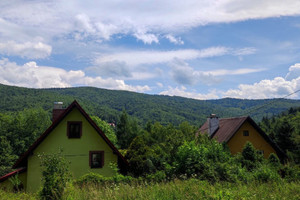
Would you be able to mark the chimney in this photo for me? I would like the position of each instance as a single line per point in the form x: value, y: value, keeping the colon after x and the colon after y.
x: 57, y: 110
x: 213, y: 124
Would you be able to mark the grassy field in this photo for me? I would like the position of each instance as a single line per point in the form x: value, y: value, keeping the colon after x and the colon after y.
x: 178, y: 189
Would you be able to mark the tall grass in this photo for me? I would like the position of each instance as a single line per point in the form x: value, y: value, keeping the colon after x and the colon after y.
x: 177, y: 189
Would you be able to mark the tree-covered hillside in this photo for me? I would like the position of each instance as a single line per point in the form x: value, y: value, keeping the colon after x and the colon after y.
x: 107, y: 104
x: 284, y: 129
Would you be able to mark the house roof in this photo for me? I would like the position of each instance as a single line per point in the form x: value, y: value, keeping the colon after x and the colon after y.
x: 229, y: 126
x: 6, y: 176
x: 21, y: 162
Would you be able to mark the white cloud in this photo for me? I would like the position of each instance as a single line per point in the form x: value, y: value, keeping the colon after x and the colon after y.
x: 223, y: 72
x: 174, y: 40
x: 146, y: 37
x: 133, y: 58
x: 279, y: 87
x: 28, y: 49
x: 181, y: 91
x: 105, y: 18
x: 244, y: 51
x: 160, y: 84
x: 294, y: 72
x: 183, y: 73
x: 33, y: 76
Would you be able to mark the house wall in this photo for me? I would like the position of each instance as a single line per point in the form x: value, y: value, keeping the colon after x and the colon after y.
x: 8, y: 186
x: 238, y: 141
x: 76, y: 151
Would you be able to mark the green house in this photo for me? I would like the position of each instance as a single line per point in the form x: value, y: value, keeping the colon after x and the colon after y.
x: 83, y: 143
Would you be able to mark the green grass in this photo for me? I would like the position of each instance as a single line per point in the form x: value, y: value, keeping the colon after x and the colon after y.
x: 177, y: 189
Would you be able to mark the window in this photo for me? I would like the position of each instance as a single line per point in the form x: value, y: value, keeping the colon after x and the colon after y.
x: 245, y: 133
x: 96, y: 159
x: 74, y: 129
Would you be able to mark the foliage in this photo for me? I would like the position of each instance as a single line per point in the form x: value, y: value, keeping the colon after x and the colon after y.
x: 16, y: 182
x: 55, y: 175
x: 127, y: 130
x: 94, y: 178
x: 274, y: 160
x: 251, y: 159
x: 106, y: 128
x: 17, y: 132
x: 284, y: 129
x: 290, y: 172
x: 107, y: 104
x: 7, y: 156
x: 206, y: 159
x: 266, y: 174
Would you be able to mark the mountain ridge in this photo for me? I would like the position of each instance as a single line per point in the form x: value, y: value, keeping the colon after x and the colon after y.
x: 107, y: 104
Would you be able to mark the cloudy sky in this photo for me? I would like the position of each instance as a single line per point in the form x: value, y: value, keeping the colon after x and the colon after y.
x: 202, y: 49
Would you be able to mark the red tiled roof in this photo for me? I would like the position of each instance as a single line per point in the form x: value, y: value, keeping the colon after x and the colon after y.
x: 6, y: 176
x: 21, y: 162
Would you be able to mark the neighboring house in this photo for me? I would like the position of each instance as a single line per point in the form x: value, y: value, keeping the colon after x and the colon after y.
x: 235, y: 132
x: 84, y: 145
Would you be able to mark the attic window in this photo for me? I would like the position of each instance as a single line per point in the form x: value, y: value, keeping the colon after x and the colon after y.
x: 245, y: 133
x: 96, y: 159
x: 74, y: 129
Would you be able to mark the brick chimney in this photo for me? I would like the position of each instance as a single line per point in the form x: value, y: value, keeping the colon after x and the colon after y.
x: 213, y: 124
x: 57, y: 110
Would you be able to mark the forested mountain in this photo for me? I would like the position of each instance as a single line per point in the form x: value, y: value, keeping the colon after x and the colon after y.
x: 107, y: 104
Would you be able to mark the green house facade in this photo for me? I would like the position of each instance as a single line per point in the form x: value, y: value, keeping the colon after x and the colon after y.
x: 82, y: 142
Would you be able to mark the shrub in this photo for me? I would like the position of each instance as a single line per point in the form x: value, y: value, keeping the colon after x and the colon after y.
x: 265, y: 174
x: 94, y: 178
x: 55, y: 175
x: 290, y: 172
x: 273, y: 160
x: 250, y: 157
x: 159, y: 176
x: 91, y: 178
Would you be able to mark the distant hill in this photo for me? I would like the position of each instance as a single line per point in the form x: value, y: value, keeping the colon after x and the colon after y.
x: 107, y: 104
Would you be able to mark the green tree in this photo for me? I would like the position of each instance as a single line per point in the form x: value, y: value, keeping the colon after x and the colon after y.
x: 106, y: 128
x: 138, y: 157
x: 284, y: 135
x: 127, y: 130
x: 7, y: 157
x: 251, y: 158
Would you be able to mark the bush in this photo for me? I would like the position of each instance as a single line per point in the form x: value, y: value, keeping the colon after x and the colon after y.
x: 266, y: 174
x: 250, y: 157
x: 159, y: 176
x: 94, y: 178
x: 55, y: 175
x: 273, y: 160
x: 290, y: 172
x: 91, y: 178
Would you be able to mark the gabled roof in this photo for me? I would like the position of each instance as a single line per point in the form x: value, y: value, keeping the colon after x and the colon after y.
x: 21, y: 162
x: 229, y: 126
x: 6, y: 176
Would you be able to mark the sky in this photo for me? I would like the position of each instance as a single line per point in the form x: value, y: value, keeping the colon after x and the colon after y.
x: 201, y: 49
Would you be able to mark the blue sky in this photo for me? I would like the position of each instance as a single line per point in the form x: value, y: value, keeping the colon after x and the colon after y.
x: 200, y: 49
